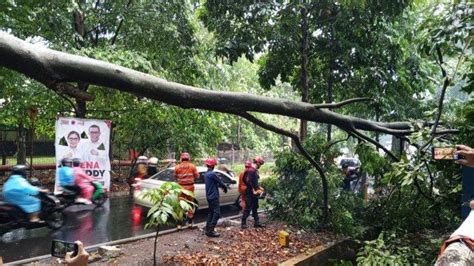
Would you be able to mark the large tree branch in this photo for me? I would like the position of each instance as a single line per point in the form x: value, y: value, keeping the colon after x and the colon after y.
x: 340, y: 104
x: 446, y: 83
x: 41, y: 63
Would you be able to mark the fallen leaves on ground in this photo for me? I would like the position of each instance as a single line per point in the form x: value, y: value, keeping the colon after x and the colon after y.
x: 249, y: 246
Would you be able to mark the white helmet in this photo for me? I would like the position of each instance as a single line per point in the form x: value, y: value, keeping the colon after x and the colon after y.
x: 153, y: 160
x: 142, y: 159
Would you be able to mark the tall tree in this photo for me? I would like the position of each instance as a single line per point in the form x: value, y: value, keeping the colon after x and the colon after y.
x: 307, y: 43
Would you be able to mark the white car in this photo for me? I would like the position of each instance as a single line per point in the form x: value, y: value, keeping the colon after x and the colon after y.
x: 167, y: 175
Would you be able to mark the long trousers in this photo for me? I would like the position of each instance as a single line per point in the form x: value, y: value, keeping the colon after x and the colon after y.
x: 214, y: 214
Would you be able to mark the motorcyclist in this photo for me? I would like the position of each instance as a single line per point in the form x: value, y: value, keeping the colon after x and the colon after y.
x: 18, y: 191
x: 185, y: 174
x: 351, y: 173
x: 84, y: 181
x: 140, y: 169
x: 253, y: 192
x: 152, y: 166
x: 66, y: 175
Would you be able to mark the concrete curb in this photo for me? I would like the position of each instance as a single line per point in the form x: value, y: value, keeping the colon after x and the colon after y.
x: 123, y: 241
x: 344, y: 249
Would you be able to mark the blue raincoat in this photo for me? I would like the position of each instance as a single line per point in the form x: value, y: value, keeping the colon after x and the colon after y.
x: 66, y: 176
x: 18, y: 191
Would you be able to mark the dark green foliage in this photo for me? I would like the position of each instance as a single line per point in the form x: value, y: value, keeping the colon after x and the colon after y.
x: 400, y: 248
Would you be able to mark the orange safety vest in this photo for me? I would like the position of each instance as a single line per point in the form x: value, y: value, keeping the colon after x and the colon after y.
x: 242, y: 185
x: 185, y: 174
x: 242, y: 190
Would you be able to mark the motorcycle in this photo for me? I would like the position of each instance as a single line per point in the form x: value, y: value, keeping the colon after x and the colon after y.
x: 68, y: 196
x: 12, y: 217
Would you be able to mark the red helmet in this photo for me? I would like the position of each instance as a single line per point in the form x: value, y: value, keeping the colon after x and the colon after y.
x: 185, y: 156
x: 248, y: 164
x: 210, y: 162
x: 259, y: 160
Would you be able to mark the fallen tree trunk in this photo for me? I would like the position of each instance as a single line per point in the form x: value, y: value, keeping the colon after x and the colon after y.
x: 57, y: 68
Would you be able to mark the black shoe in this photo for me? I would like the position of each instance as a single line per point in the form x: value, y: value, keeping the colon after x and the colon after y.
x: 244, y: 226
x: 258, y: 225
x: 212, y: 234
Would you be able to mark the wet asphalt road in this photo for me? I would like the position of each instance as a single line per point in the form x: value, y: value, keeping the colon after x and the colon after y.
x: 117, y: 219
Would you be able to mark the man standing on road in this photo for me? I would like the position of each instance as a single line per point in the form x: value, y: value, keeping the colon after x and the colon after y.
x: 212, y: 196
x: 243, y: 186
x: 252, y: 193
x: 185, y: 174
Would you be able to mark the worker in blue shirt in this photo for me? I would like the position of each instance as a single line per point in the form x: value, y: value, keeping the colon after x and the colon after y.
x: 212, y: 195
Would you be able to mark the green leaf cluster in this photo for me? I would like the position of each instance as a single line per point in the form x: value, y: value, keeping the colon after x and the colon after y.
x: 168, y: 204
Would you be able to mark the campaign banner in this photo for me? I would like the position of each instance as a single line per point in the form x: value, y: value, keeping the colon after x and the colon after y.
x: 88, y: 140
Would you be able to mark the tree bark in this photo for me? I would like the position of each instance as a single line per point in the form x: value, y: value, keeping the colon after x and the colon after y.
x: 44, y: 64
x: 329, y: 99
x: 21, y: 145
x: 304, y: 68
x: 79, y: 26
x: 81, y: 105
x: 377, y: 119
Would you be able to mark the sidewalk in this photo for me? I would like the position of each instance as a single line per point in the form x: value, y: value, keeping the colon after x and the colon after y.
x: 235, y: 246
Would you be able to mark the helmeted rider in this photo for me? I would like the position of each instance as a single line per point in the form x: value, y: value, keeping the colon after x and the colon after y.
x: 84, y: 181
x: 18, y: 191
x: 351, y: 174
x: 152, y: 166
x: 212, y: 195
x: 252, y: 192
x: 185, y: 174
x: 140, y: 171
x: 66, y: 176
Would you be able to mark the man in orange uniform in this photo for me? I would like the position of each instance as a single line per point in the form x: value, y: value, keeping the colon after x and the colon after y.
x: 242, y: 185
x: 185, y: 174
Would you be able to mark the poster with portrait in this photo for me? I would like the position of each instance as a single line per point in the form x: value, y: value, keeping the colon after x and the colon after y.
x: 88, y: 140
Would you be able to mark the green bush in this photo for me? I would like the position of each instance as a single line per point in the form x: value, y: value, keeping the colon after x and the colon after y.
x: 270, y: 184
x: 347, y: 211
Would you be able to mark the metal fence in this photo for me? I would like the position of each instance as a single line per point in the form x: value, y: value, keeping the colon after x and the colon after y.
x: 43, y: 152
x: 240, y: 156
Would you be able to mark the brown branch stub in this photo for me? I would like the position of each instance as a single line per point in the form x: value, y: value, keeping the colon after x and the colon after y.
x: 65, y: 88
x: 341, y: 104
